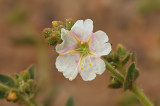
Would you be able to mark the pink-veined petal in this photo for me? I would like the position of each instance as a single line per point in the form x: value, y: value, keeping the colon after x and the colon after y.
x: 67, y: 64
x: 68, y: 43
x: 89, y: 71
x: 99, y: 45
x: 83, y: 29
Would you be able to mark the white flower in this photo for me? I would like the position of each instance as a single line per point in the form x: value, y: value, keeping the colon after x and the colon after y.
x: 81, y: 50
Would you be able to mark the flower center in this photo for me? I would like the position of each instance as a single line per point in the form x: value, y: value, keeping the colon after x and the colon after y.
x: 83, y: 49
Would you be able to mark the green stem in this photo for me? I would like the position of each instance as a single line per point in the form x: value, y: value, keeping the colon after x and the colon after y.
x: 141, y: 96
x: 25, y: 101
x: 4, y: 87
x: 114, y: 71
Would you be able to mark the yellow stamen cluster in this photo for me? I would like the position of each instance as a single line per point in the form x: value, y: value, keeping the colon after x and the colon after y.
x: 81, y: 43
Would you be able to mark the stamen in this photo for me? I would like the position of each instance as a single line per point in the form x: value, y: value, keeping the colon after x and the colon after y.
x: 72, y: 51
x: 70, y: 78
x: 81, y: 68
x: 90, y: 64
x: 81, y: 43
x: 60, y: 53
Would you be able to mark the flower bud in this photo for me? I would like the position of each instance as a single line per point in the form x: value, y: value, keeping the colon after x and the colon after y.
x: 47, y: 32
x: 55, y: 34
x: 121, y: 50
x: 24, y: 75
x: 69, y: 23
x: 51, y: 41
x: 56, y: 23
x: 12, y: 96
x: 24, y: 86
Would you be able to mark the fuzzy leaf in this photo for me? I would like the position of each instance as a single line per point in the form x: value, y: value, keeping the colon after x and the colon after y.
x: 134, y: 59
x: 16, y: 76
x: 131, y: 76
x: 125, y: 59
x: 70, y: 102
x: 7, y: 80
x: 115, y: 83
x: 115, y: 58
x: 31, y: 71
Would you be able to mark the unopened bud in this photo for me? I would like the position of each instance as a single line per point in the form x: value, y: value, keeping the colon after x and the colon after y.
x: 51, y: 41
x: 55, y: 34
x: 24, y: 75
x: 47, y: 32
x: 12, y: 96
x: 121, y: 50
x: 56, y: 23
x: 69, y: 23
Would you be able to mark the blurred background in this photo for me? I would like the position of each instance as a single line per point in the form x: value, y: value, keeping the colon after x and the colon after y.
x: 134, y: 23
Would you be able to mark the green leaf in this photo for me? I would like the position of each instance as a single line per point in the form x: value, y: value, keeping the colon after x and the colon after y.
x: 70, y: 102
x: 125, y: 59
x: 31, y: 71
x: 2, y: 94
x: 115, y: 58
x: 16, y: 76
x: 131, y: 76
x: 115, y: 83
x: 7, y: 80
x: 134, y: 59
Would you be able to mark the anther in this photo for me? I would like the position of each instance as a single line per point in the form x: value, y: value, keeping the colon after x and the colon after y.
x: 81, y: 68
x: 72, y: 51
x: 90, y: 64
x: 81, y: 43
x: 60, y: 53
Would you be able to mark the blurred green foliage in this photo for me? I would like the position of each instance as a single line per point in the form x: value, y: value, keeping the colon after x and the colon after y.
x: 24, y: 40
x: 149, y: 6
x: 20, y: 85
x: 17, y: 15
x: 70, y: 102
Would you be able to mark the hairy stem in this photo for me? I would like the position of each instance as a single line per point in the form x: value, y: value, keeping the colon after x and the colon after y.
x: 25, y: 101
x: 139, y: 94
x: 114, y: 71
